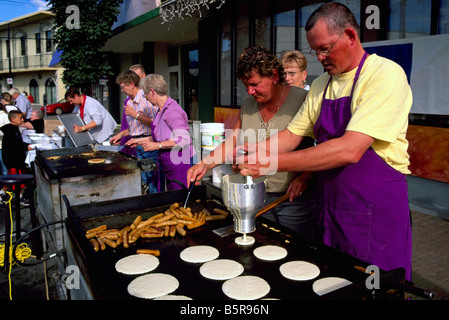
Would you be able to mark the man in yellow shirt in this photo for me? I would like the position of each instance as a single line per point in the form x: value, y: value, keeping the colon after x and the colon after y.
x: 358, y: 113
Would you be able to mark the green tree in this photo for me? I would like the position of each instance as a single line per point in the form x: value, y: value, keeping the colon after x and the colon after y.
x: 82, y: 28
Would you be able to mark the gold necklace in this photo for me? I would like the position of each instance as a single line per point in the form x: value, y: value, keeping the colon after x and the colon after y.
x: 274, y: 110
x: 264, y: 132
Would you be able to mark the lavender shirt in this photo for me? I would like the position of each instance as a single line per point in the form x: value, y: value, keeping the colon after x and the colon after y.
x: 171, y: 123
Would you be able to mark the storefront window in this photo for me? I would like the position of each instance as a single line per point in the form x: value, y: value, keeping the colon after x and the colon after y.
x: 303, y: 16
x: 225, y: 61
x: 262, y: 24
x: 50, y: 91
x: 314, y: 67
x: 242, y: 43
x: 408, y: 19
x: 443, y: 24
x: 174, y: 84
x: 285, y: 31
x: 34, y: 90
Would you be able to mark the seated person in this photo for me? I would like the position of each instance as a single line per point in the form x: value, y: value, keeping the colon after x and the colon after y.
x: 14, y: 150
x: 36, y: 121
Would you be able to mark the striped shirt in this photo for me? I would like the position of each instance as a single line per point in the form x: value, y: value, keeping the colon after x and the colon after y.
x: 145, y: 108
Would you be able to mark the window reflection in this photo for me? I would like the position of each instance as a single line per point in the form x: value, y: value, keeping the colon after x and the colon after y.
x: 262, y: 24
x: 279, y: 25
x: 285, y: 31
x: 225, y: 61
x: 443, y: 24
x: 242, y: 43
x: 409, y: 18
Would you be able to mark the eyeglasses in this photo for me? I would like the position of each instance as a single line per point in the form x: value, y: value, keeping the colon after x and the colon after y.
x: 324, y: 53
x: 291, y: 74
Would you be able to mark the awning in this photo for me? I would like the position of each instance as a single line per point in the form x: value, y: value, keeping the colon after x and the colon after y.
x: 56, y: 58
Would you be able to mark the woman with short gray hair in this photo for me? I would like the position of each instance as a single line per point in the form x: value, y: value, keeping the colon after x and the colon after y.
x: 170, y: 135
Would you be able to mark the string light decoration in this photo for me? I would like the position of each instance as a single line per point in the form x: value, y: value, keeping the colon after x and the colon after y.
x: 179, y: 9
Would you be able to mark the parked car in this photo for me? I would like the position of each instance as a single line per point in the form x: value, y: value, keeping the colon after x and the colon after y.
x: 62, y: 106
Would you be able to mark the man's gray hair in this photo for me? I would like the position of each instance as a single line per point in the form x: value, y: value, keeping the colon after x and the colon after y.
x: 13, y: 90
x: 337, y: 16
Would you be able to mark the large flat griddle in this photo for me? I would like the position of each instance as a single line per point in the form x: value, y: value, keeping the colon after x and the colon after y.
x: 71, y: 162
x: 107, y: 283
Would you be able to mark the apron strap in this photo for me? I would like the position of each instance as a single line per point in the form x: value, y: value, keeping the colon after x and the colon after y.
x: 359, y: 69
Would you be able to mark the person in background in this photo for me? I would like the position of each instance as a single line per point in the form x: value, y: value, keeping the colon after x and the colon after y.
x: 29, y: 97
x: 36, y: 121
x: 358, y: 112
x: 295, y: 66
x: 170, y: 135
x: 8, y: 102
x: 3, y: 120
x: 14, y: 149
x: 139, y: 115
x: 22, y: 103
x: 269, y: 108
x: 97, y: 120
x: 140, y: 70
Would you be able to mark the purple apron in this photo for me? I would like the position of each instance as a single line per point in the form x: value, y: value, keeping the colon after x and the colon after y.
x: 365, y: 210
x: 168, y: 170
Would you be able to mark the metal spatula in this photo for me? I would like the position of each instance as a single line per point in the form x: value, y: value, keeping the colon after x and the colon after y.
x: 192, y: 184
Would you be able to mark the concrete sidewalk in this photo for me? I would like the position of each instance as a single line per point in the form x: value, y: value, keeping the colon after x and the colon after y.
x: 430, y: 259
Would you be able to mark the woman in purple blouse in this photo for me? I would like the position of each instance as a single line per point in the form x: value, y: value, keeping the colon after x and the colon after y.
x: 170, y: 134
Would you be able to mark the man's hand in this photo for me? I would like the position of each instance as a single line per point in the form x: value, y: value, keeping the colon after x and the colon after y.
x: 255, y: 159
x: 298, y: 185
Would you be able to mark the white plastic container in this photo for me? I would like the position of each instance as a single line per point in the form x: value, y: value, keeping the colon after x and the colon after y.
x: 212, y: 135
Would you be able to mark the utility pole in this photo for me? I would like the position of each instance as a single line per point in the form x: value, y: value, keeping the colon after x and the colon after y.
x: 9, y: 54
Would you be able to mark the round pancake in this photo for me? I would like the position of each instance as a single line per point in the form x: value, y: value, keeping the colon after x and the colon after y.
x: 246, y: 288
x: 221, y: 269
x: 153, y: 285
x: 270, y: 252
x: 199, y: 254
x: 137, y: 264
x: 299, y: 270
x: 248, y: 240
x: 96, y: 160
x: 325, y: 285
x: 172, y: 297
x: 88, y: 154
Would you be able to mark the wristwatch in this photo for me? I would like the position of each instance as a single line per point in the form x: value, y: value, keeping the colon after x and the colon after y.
x: 160, y: 145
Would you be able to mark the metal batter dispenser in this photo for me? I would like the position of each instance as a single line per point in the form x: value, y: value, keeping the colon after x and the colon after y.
x: 243, y: 197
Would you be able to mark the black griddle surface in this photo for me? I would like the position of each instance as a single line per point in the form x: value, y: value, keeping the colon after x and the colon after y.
x: 193, y: 284
x: 73, y: 162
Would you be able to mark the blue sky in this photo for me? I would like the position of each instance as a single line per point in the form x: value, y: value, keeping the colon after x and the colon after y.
x: 10, y: 9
